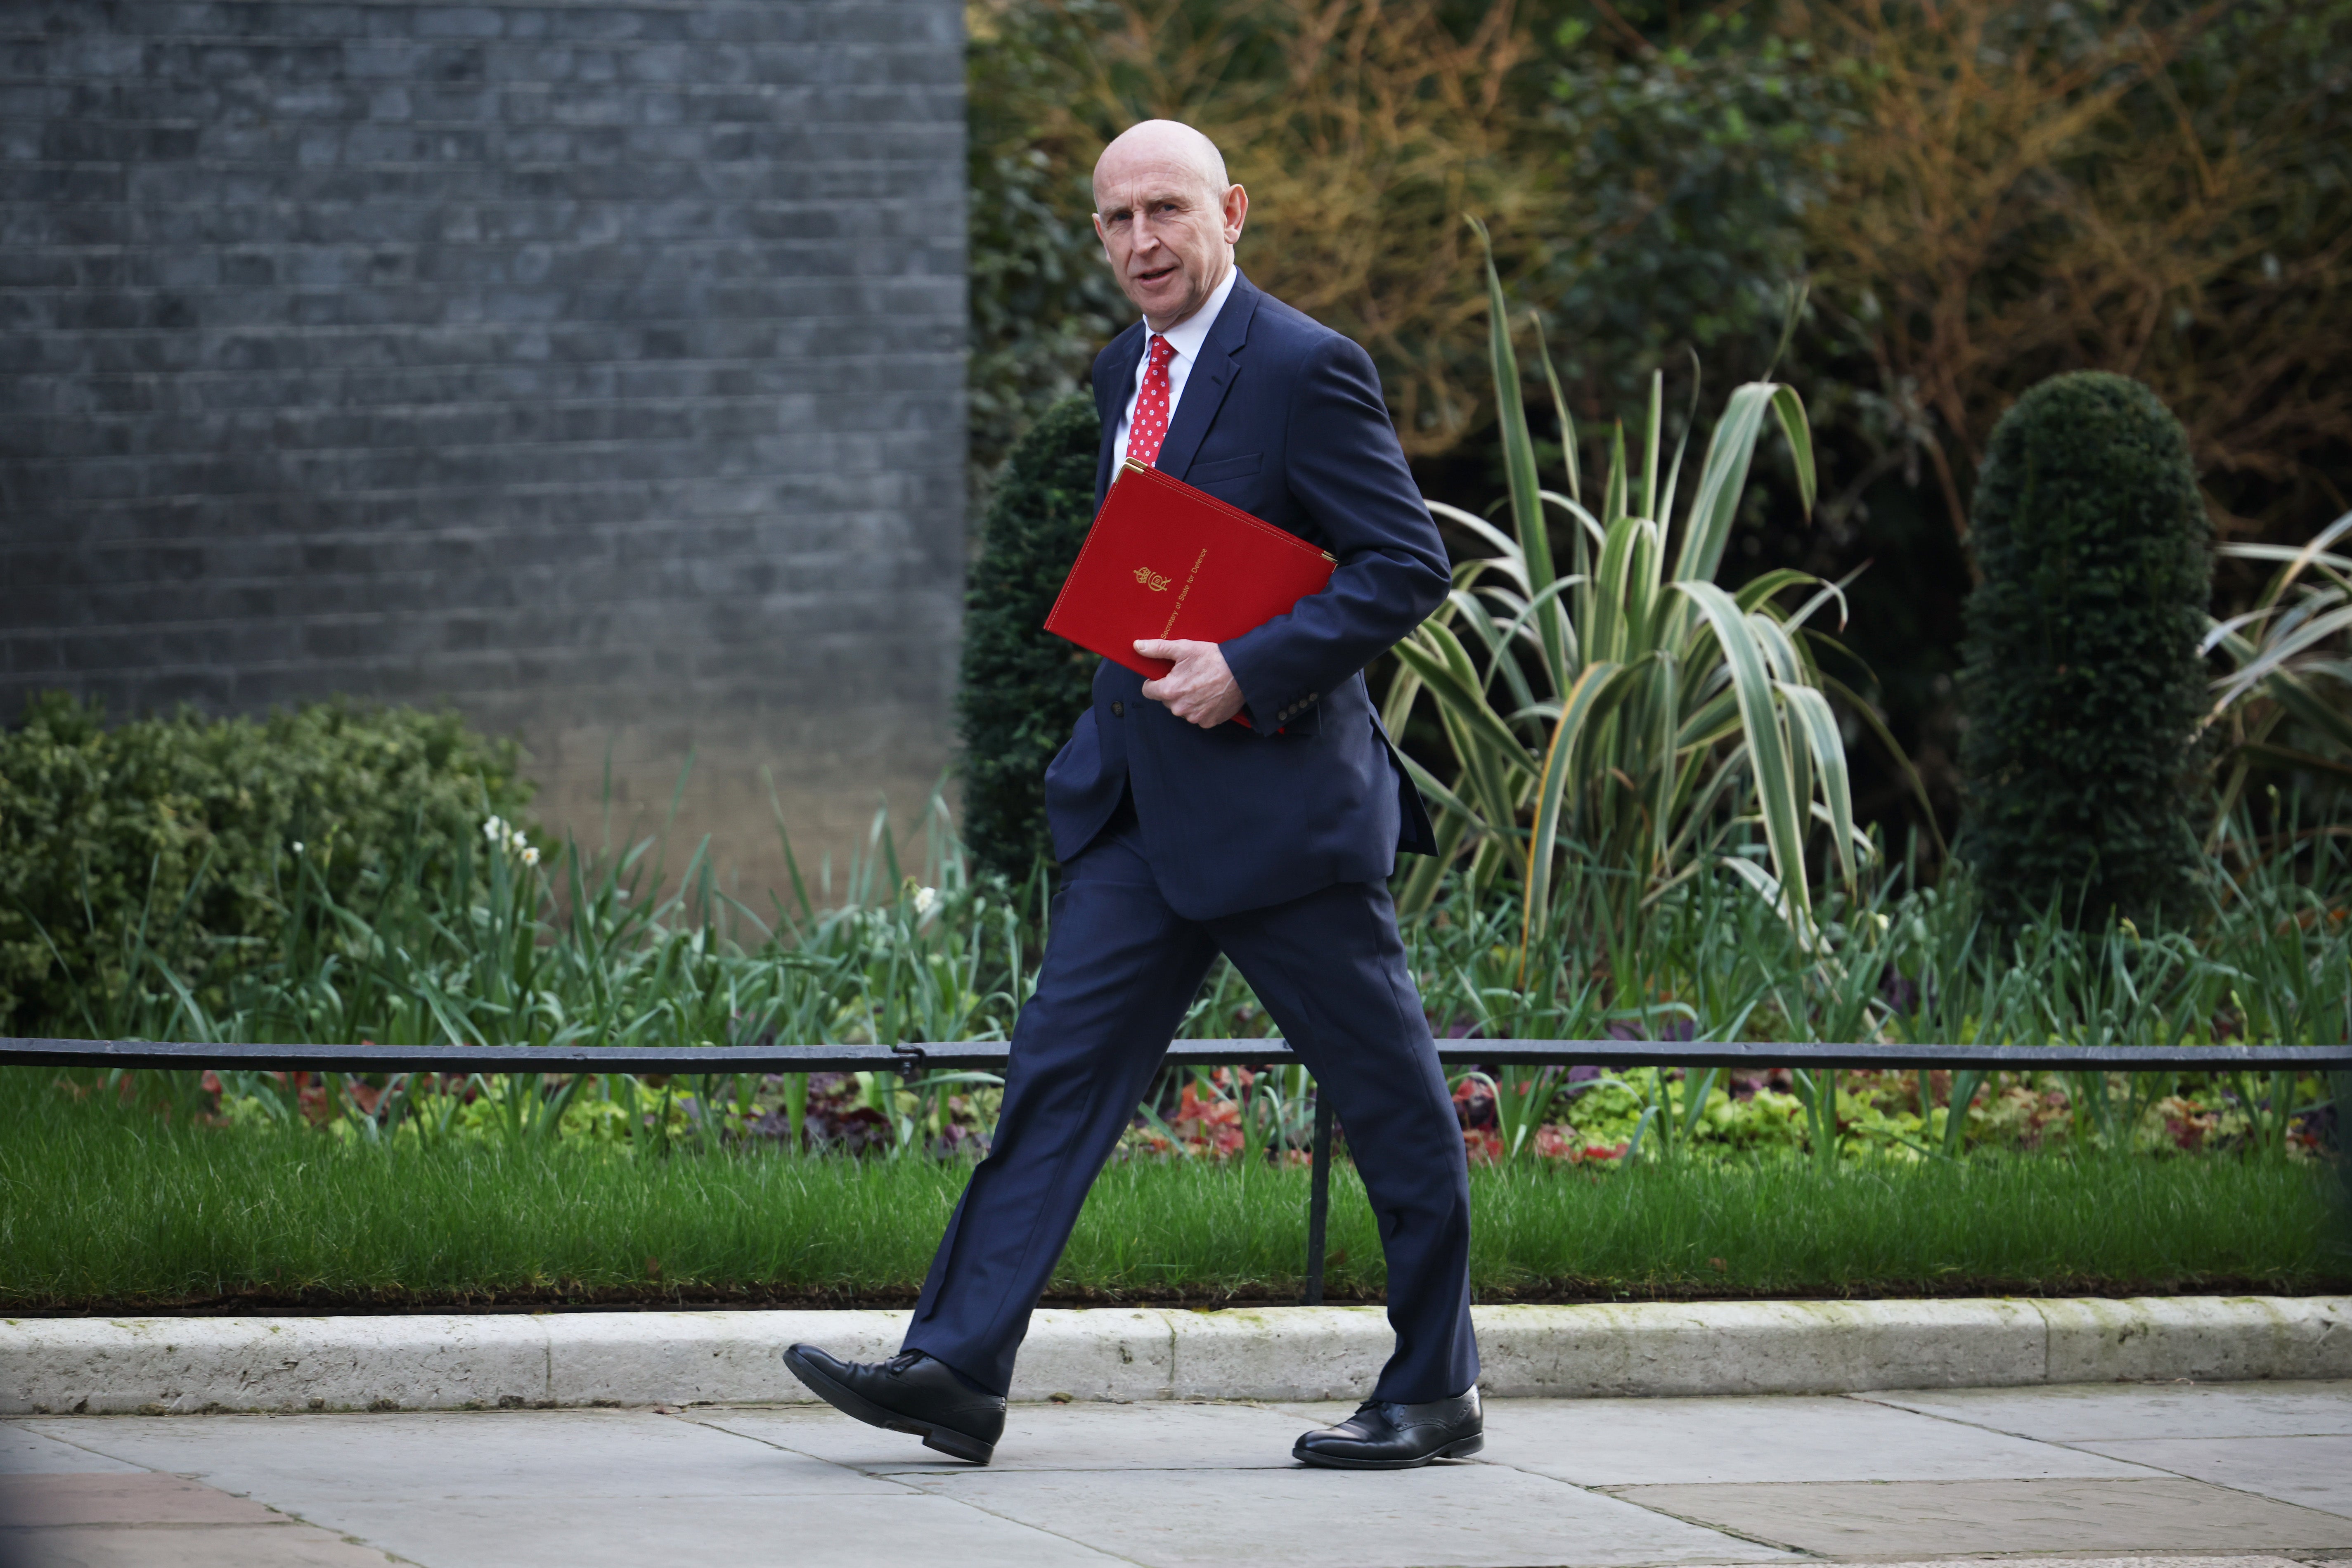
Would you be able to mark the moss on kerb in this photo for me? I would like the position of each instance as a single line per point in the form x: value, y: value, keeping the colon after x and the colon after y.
x: 1258, y: 1316
x: 1836, y: 1312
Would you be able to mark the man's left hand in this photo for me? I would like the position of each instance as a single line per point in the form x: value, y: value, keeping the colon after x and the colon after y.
x: 1200, y: 690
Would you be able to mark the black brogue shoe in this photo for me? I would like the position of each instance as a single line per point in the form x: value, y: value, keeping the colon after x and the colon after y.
x: 1385, y: 1435
x: 910, y: 1392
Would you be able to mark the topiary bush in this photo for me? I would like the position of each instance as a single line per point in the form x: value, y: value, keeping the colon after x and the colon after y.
x: 2082, y: 683
x: 181, y: 836
x: 1022, y: 688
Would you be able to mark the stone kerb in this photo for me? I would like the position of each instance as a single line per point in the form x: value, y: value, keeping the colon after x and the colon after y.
x: 436, y: 1362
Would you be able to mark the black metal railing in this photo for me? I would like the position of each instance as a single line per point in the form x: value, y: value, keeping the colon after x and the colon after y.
x: 993, y: 1055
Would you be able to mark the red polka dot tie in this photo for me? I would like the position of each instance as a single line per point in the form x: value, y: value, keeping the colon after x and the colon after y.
x: 1150, y: 427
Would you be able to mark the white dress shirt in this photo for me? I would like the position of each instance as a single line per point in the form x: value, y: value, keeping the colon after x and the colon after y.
x: 1186, y: 338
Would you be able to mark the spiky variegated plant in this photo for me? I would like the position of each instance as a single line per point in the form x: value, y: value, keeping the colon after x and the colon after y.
x: 1629, y: 705
x: 2288, y: 665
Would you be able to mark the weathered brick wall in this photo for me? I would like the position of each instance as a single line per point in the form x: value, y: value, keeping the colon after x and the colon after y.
x: 594, y: 366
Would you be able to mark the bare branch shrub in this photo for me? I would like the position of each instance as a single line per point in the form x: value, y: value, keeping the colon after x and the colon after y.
x: 2033, y: 190
x: 1362, y: 130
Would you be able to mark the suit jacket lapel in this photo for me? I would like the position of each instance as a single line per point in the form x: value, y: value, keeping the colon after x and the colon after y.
x: 1110, y: 397
x: 1205, y: 386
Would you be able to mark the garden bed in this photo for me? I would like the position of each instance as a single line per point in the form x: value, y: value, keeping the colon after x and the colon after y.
x: 107, y: 1207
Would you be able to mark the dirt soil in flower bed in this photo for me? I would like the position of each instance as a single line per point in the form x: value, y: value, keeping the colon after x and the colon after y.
x: 1571, y: 1292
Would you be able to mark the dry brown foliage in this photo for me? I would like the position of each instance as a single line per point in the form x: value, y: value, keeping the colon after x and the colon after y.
x: 1362, y: 131
x: 2023, y: 198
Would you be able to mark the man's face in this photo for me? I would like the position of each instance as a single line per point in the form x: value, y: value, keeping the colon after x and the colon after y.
x: 1167, y: 232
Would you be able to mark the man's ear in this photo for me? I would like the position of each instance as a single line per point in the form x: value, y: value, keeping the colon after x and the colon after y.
x: 1236, y: 210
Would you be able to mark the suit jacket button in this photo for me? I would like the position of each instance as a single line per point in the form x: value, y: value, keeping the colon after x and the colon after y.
x: 1119, y: 710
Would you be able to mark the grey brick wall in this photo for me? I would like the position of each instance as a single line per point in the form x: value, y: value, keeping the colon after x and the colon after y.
x: 595, y: 367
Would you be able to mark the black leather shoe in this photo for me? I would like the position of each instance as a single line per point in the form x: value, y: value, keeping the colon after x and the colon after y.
x: 910, y: 1392
x: 1384, y: 1435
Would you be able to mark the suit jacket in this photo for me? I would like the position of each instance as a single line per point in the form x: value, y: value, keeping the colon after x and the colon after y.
x: 1282, y: 417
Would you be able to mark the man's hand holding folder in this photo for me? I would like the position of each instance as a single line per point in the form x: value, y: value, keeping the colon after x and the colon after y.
x: 1200, y: 690
x: 1165, y: 557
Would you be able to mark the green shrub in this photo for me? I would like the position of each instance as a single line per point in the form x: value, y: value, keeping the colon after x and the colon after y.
x: 1042, y: 300
x: 1022, y: 688
x: 180, y: 834
x: 2082, y: 683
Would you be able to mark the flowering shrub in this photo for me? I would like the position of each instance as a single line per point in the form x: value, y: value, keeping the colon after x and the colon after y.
x: 1212, y: 1126
x: 1222, y: 1114
x: 1878, y: 1117
x: 506, y: 838
x: 459, y: 1105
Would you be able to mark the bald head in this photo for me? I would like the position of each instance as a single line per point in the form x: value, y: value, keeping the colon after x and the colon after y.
x: 1165, y: 146
x: 1168, y: 218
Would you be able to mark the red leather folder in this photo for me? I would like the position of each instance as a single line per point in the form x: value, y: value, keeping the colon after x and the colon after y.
x: 1166, y: 559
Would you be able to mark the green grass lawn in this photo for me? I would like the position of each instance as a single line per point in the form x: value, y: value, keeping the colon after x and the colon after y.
x: 101, y: 1204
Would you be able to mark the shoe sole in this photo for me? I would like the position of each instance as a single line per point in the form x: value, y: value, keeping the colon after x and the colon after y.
x: 1460, y: 1449
x: 945, y: 1439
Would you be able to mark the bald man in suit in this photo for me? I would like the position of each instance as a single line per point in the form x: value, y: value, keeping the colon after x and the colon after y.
x: 1183, y: 835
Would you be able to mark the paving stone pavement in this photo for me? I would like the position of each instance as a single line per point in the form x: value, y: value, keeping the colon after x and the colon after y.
x: 2135, y: 1476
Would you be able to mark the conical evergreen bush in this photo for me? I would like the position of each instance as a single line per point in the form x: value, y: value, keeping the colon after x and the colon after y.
x: 1022, y: 688
x: 2082, y: 683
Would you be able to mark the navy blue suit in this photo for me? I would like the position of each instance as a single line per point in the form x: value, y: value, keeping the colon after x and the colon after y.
x: 1282, y: 417
x: 1271, y: 845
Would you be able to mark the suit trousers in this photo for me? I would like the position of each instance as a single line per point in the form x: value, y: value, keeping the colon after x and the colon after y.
x: 1120, y: 968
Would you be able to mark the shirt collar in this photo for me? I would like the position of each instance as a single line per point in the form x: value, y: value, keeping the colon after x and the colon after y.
x: 1186, y: 336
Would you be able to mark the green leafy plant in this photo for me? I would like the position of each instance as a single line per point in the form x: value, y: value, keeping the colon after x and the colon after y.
x: 1628, y: 705
x: 2082, y: 683
x: 185, y: 841
x: 2281, y: 707
x: 1042, y: 300
x: 1022, y: 688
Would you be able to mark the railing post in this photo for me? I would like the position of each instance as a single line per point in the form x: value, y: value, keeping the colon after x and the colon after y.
x: 1319, y: 1200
